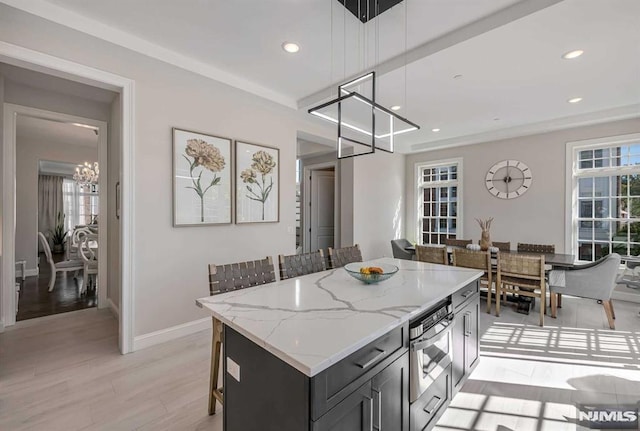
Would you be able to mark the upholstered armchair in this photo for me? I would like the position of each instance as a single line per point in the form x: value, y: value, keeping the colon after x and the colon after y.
x: 594, y: 281
x: 398, y: 247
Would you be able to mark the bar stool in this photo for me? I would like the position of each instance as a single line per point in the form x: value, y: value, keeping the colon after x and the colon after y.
x: 226, y: 278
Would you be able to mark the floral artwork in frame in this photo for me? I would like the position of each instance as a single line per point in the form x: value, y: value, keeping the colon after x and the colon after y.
x: 257, y: 183
x: 202, y: 179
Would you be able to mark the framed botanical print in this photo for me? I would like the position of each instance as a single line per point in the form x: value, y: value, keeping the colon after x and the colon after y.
x: 202, y: 179
x: 257, y: 183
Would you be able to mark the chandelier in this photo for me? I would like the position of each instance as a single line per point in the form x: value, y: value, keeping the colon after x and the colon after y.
x: 363, y: 125
x: 87, y: 175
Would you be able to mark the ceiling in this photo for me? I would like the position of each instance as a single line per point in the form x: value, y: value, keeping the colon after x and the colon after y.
x: 47, y: 131
x: 57, y: 168
x: 508, y: 53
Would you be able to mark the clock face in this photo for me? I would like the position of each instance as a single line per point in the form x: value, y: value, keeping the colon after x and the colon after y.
x: 508, y: 179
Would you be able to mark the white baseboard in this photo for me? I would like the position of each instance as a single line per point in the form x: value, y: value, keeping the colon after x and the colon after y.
x: 171, y: 333
x: 31, y: 272
x: 114, y: 309
x: 27, y: 273
x: 625, y: 296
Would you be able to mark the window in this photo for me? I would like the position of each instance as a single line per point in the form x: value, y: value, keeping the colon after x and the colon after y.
x: 606, y: 198
x: 80, y: 204
x: 439, y: 201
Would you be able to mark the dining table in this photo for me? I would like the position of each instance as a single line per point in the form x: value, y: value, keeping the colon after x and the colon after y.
x: 557, y: 261
x: 553, y: 260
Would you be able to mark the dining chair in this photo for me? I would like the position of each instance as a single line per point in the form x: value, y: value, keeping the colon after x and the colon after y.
x: 71, y: 250
x: 536, y: 248
x: 502, y: 246
x: 477, y: 260
x: 62, y: 266
x: 227, y: 278
x: 593, y: 280
x: 339, y: 257
x: 524, y: 276
x: 452, y: 242
x: 398, y: 247
x: 87, y: 252
x: 301, y: 264
x: 432, y: 254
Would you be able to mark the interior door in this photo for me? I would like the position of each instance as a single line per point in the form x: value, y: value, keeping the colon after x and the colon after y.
x: 321, y: 211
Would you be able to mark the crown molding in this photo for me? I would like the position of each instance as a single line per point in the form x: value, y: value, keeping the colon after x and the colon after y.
x: 591, y: 118
x: 92, y: 27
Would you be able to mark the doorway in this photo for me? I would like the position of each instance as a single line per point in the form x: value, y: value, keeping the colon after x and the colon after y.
x: 321, y: 207
x: 57, y: 274
x: 121, y: 198
x: 52, y: 206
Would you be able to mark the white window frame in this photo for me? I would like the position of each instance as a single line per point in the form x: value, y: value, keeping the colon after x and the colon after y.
x: 420, y: 184
x: 572, y: 176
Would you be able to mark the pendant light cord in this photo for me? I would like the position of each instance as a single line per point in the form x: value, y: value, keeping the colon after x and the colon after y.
x: 406, y: 31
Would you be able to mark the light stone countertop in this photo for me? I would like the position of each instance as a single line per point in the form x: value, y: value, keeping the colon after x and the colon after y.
x: 314, y: 321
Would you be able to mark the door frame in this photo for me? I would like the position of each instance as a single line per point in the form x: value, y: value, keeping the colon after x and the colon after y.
x: 306, y: 202
x: 11, y: 113
x: 34, y: 60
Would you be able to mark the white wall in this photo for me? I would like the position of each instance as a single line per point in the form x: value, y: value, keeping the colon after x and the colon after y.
x: 170, y: 264
x: 21, y: 94
x: 1, y: 185
x: 378, y: 202
x: 346, y: 202
x: 28, y: 154
x: 539, y: 215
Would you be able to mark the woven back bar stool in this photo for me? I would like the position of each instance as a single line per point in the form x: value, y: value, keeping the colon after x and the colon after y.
x: 227, y: 278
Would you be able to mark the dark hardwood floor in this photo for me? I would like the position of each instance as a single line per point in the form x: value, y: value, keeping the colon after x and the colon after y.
x: 36, y: 301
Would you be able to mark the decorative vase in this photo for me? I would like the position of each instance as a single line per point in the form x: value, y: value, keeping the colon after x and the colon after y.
x: 485, y: 238
x: 57, y: 248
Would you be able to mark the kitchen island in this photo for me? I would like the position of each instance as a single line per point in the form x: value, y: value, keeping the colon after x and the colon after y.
x: 304, y: 353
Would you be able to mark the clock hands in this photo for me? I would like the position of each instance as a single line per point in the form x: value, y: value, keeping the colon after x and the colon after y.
x: 502, y: 184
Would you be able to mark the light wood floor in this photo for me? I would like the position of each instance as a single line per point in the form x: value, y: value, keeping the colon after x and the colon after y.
x: 64, y: 372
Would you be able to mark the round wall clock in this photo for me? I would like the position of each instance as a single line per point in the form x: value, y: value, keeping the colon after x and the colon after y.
x: 508, y: 179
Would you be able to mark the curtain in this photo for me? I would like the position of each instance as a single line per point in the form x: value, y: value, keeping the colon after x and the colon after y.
x: 71, y: 193
x: 50, y: 203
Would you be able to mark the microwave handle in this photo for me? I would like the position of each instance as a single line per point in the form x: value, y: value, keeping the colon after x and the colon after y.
x: 423, y: 343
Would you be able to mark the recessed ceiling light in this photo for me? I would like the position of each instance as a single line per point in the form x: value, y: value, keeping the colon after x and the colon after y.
x: 575, y: 100
x: 435, y: 130
x: 395, y: 107
x: 573, y: 54
x: 291, y: 47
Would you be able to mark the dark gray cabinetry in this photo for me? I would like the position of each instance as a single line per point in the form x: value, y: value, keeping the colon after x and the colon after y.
x: 354, y: 413
x: 368, y: 390
x: 332, y: 385
x: 390, y: 389
x: 265, y: 394
x: 465, y: 335
x: 381, y: 404
x: 428, y: 408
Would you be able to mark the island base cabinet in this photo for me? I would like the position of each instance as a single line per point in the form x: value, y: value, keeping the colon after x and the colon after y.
x: 261, y: 392
x: 354, y: 413
x: 465, y: 337
x: 381, y: 404
x: 430, y: 406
